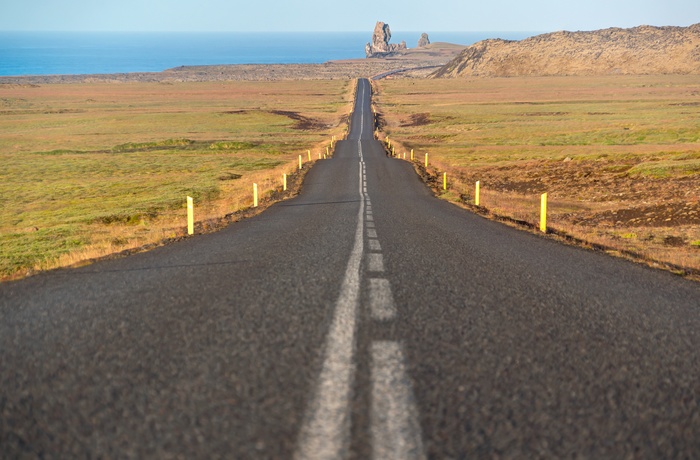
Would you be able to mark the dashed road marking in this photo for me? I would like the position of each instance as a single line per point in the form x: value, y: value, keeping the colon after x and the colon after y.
x: 381, y: 301
x: 375, y: 262
x: 396, y: 432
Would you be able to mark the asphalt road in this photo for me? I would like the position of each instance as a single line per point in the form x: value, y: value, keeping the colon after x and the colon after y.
x: 362, y: 319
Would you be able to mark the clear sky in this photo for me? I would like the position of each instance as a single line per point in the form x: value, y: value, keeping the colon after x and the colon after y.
x: 334, y: 15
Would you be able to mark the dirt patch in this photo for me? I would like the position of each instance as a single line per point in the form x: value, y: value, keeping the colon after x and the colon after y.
x: 302, y: 122
x: 675, y: 241
x: 596, y: 181
x: 662, y: 215
x: 417, y: 119
x: 543, y: 114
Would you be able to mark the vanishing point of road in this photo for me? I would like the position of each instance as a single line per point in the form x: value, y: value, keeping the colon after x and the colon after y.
x: 362, y: 319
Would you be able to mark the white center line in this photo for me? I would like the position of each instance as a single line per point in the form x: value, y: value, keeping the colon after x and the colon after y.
x: 372, y: 233
x: 381, y: 301
x: 374, y: 245
x: 325, y: 433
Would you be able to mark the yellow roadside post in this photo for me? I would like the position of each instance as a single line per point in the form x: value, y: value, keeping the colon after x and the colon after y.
x: 284, y: 182
x: 255, y: 195
x: 328, y: 153
x: 411, y: 154
x: 393, y: 151
x: 309, y: 152
x: 444, y: 181
x: 477, y: 193
x: 426, y: 160
x: 299, y: 161
x: 190, y: 216
x: 543, y: 213
x: 319, y: 155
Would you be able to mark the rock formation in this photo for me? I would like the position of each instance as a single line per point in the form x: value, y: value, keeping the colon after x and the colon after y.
x: 636, y: 51
x: 380, y: 46
x: 423, y: 41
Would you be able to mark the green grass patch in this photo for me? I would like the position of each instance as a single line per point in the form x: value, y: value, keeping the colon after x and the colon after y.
x: 31, y: 247
x: 89, y: 159
x: 141, y: 146
x: 231, y: 145
x: 664, y: 169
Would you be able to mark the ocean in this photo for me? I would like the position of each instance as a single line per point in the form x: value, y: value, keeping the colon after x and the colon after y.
x: 60, y: 53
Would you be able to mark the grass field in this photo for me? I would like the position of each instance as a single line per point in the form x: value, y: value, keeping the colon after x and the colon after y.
x: 93, y: 169
x: 619, y: 156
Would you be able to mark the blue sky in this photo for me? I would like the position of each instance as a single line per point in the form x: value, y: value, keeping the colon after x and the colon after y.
x: 357, y: 15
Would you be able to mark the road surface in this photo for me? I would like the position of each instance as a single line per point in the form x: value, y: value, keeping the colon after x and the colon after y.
x: 362, y: 319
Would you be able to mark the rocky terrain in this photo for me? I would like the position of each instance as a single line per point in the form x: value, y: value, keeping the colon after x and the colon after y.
x: 380, y: 46
x: 643, y: 50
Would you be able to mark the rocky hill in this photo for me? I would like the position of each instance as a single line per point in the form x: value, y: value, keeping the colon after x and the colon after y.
x: 636, y: 51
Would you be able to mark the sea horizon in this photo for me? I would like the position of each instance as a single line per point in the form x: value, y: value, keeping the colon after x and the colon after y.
x: 85, y: 53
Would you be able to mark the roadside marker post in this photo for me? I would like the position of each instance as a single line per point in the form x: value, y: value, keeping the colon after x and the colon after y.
x: 328, y: 153
x: 477, y: 193
x: 543, y: 213
x: 319, y: 155
x: 190, y: 216
x: 255, y: 195
x: 426, y: 160
x: 299, y: 161
x: 284, y: 182
x: 404, y: 155
x: 393, y: 151
x: 411, y: 154
x: 444, y: 181
x: 309, y: 152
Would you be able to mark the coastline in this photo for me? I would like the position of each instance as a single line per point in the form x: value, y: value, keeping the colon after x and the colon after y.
x: 413, y: 62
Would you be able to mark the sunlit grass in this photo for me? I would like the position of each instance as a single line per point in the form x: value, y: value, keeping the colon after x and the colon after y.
x: 595, y: 144
x: 91, y: 169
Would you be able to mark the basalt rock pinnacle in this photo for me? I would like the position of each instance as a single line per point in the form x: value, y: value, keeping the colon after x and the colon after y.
x: 380, y: 46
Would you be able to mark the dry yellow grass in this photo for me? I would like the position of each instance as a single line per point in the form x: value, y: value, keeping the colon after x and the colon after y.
x: 618, y: 156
